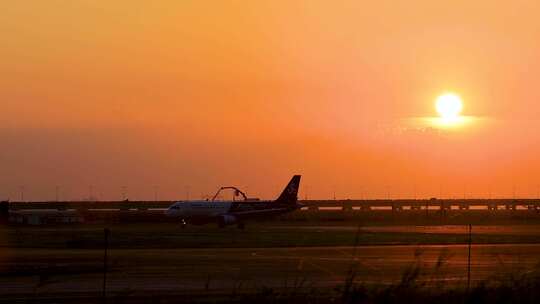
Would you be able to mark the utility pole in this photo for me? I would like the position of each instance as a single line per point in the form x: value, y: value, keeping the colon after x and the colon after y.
x: 124, y: 189
x: 187, y: 193
x: 90, y: 192
x: 155, y: 193
x: 21, y: 188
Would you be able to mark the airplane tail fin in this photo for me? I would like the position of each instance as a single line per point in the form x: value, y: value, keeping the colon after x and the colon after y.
x: 290, y: 193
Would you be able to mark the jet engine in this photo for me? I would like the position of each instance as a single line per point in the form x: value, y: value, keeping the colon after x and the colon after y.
x: 225, y: 220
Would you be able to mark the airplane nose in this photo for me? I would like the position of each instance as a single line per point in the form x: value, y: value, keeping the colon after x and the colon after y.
x: 174, y: 210
x: 168, y: 212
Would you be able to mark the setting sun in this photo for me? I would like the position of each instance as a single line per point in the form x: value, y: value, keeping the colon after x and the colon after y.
x: 449, y: 106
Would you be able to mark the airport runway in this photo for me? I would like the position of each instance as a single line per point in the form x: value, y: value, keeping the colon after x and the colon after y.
x: 226, y: 270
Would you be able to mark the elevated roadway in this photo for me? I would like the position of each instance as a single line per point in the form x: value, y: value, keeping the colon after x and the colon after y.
x: 345, y: 205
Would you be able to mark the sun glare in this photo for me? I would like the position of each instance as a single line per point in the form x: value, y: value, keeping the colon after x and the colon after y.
x: 449, y: 106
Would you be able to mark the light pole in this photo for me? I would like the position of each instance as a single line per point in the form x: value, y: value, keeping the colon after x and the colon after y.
x: 90, y: 193
x: 21, y: 188
x: 187, y: 193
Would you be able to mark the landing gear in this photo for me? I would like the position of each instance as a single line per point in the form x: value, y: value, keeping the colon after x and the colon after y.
x: 241, y: 226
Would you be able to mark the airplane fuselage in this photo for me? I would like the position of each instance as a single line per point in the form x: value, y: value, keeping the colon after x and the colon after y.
x: 225, y: 212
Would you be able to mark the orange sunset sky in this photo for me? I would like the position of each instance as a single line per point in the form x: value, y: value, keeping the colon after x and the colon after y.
x: 193, y: 95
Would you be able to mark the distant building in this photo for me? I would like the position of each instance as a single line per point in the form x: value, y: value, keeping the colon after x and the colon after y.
x: 44, y: 218
x: 4, y: 212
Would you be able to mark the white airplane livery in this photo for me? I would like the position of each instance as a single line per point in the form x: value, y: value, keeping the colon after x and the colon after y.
x: 235, y: 212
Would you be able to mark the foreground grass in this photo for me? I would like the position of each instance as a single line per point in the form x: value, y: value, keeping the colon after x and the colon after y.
x: 522, y: 287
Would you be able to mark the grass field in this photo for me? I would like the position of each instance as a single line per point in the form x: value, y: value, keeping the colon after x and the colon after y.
x: 303, y: 256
